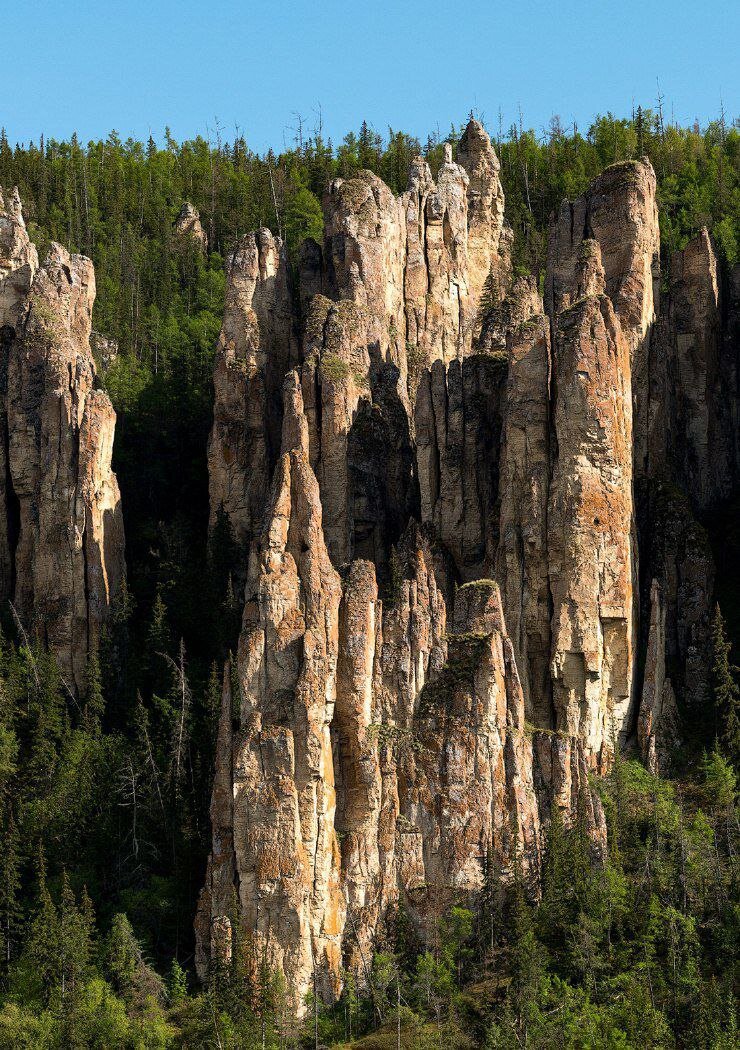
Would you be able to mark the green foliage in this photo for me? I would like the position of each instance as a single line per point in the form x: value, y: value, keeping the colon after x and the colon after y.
x: 726, y: 690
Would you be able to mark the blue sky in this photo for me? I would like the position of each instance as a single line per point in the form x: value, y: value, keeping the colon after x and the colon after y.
x: 138, y: 66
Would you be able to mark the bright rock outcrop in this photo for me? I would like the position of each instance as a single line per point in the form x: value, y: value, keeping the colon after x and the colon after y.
x: 442, y: 623
x: 592, y: 563
x: 61, y: 538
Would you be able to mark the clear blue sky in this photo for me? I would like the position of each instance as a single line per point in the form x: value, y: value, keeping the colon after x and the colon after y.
x: 139, y: 65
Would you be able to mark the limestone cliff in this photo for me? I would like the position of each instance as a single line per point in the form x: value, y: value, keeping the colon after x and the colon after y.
x: 61, y: 530
x: 463, y: 533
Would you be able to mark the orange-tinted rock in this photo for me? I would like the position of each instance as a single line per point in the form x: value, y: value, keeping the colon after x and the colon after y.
x: 591, y: 552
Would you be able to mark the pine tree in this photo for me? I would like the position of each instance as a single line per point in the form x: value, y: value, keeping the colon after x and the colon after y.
x: 177, y: 984
x: 92, y: 712
x: 158, y: 644
x: 75, y: 938
x: 41, y: 953
x: 11, y: 913
x: 726, y: 691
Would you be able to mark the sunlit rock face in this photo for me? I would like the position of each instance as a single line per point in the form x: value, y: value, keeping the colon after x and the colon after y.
x: 462, y: 588
x: 61, y: 530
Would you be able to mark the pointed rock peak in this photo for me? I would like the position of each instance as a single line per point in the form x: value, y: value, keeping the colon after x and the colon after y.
x: 188, y: 224
x: 65, y: 284
x: 13, y: 208
x: 489, y: 264
x: 18, y: 260
x: 295, y: 426
x: 475, y: 148
x: 187, y: 213
x: 420, y: 176
x: 12, y: 225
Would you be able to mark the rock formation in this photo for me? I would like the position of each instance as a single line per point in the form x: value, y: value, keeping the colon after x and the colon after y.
x: 438, y: 482
x: 253, y: 353
x: 695, y: 394
x: 188, y: 226
x: 61, y: 531
x: 590, y: 518
x: 619, y: 212
x: 18, y: 262
x: 522, y: 561
x: 458, y: 435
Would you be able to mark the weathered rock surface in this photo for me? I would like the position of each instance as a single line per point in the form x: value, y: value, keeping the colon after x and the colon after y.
x: 61, y: 531
x: 591, y: 521
x: 488, y: 256
x: 700, y: 380
x: 18, y: 261
x: 458, y: 421
x: 18, y: 264
x: 286, y: 848
x: 522, y: 562
x: 619, y: 212
x: 365, y: 244
x: 442, y: 623
x: 254, y: 351
x: 188, y: 225
x: 657, y: 726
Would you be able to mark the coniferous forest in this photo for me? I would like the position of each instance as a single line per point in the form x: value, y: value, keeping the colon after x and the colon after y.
x: 104, y: 796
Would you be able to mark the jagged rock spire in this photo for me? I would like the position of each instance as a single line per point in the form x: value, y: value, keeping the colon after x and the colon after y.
x: 442, y: 627
x: 61, y: 530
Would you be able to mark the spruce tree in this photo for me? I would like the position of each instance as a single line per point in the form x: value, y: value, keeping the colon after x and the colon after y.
x: 726, y: 691
x: 92, y: 713
x: 42, y: 951
x: 11, y: 913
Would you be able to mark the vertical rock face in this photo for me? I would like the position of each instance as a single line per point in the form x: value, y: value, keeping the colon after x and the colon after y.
x: 488, y: 262
x: 362, y: 731
x: 457, y: 420
x: 522, y: 564
x: 254, y: 351
x: 18, y: 261
x: 657, y: 726
x: 442, y: 630
x: 286, y: 848
x: 18, y: 264
x: 469, y: 777
x: 692, y: 468
x: 590, y: 519
x: 61, y: 538
x: 702, y: 379
x: 619, y: 212
x: 365, y: 243
x: 335, y: 376
x: 440, y: 311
